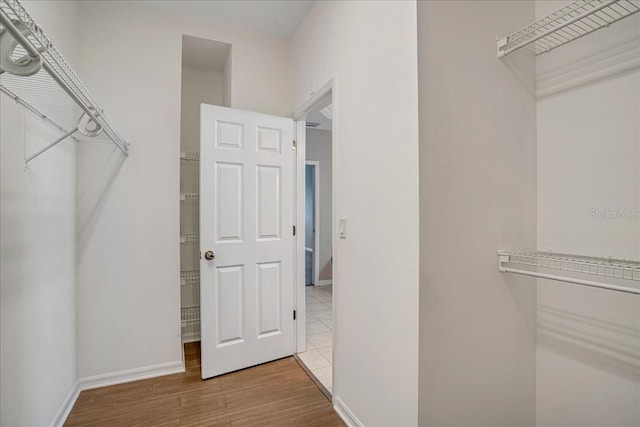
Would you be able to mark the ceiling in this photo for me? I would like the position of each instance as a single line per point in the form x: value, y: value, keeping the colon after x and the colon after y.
x: 204, y: 53
x: 324, y: 122
x: 276, y: 17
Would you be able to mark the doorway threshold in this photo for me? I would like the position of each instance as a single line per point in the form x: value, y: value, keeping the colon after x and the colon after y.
x: 316, y: 381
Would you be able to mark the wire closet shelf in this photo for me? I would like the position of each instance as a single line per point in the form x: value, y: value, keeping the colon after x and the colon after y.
x: 619, y: 269
x: 567, y: 24
x: 190, y: 156
x: 190, y: 316
x: 36, y: 75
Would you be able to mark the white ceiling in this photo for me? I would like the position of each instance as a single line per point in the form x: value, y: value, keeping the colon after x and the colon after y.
x: 275, y: 17
x: 324, y: 123
x: 203, y: 53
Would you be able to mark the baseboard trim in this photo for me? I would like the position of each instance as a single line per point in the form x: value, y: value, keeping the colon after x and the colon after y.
x: 324, y: 282
x: 129, y: 375
x: 67, y: 406
x: 345, y: 413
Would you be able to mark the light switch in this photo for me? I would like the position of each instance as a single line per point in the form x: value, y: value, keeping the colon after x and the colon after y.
x: 342, y: 228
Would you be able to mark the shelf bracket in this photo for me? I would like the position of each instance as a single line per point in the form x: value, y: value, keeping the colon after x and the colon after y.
x: 502, y: 258
x: 53, y: 144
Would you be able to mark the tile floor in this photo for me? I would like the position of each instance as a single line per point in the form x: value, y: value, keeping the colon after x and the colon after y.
x: 317, y: 357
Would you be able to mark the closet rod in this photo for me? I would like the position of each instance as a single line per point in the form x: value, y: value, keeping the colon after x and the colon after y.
x: 572, y: 280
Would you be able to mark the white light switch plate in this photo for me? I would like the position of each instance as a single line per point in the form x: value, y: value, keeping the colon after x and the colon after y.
x: 342, y: 228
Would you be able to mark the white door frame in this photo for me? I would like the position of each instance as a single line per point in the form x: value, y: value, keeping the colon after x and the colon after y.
x: 316, y: 219
x: 325, y: 95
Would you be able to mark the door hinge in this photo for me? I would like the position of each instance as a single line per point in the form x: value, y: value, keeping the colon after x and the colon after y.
x: 294, y: 145
x: 294, y: 315
x: 294, y: 230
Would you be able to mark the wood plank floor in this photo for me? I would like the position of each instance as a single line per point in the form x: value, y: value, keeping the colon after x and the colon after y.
x: 274, y: 394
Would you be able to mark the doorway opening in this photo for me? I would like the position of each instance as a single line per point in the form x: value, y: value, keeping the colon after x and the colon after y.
x: 205, y: 78
x: 317, y: 353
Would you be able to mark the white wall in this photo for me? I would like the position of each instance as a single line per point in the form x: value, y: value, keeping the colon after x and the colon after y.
x: 588, y: 358
x: 319, y: 148
x: 128, y: 266
x: 37, y: 251
x: 198, y: 86
x: 477, y: 195
x: 369, y: 48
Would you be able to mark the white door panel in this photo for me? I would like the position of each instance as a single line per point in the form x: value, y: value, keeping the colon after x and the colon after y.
x: 246, y: 219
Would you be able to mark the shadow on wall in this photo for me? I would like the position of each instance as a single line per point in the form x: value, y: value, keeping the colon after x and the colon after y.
x: 516, y: 62
x: 100, y: 163
x: 601, y: 344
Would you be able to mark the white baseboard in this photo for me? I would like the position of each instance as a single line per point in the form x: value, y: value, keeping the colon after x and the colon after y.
x: 129, y: 375
x: 345, y: 413
x: 67, y: 406
x: 324, y: 282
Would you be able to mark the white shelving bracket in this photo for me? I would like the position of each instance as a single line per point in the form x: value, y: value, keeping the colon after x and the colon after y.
x: 567, y: 24
x: 502, y: 258
x: 36, y: 75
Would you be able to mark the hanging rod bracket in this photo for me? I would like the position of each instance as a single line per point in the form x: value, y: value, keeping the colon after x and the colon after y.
x: 13, y: 34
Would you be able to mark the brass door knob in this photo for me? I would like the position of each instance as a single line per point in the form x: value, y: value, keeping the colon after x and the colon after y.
x: 209, y: 255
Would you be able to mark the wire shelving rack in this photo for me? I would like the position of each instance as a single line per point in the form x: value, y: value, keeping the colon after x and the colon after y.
x: 39, y: 78
x: 567, y: 24
x: 536, y: 263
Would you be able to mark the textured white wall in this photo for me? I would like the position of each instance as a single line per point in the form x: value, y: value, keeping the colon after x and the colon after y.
x: 37, y: 251
x: 319, y: 148
x: 369, y: 48
x: 588, y: 359
x: 128, y: 266
x: 477, y: 195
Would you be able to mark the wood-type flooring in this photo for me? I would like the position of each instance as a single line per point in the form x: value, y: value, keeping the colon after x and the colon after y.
x: 278, y: 393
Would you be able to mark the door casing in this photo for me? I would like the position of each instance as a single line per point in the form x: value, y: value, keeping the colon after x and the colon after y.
x: 326, y: 94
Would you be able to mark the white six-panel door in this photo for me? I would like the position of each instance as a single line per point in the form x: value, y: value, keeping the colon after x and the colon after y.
x: 246, y: 220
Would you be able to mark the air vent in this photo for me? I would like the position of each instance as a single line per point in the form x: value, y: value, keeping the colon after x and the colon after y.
x: 312, y: 124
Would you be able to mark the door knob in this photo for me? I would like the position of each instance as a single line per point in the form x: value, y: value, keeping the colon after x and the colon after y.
x: 209, y: 255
